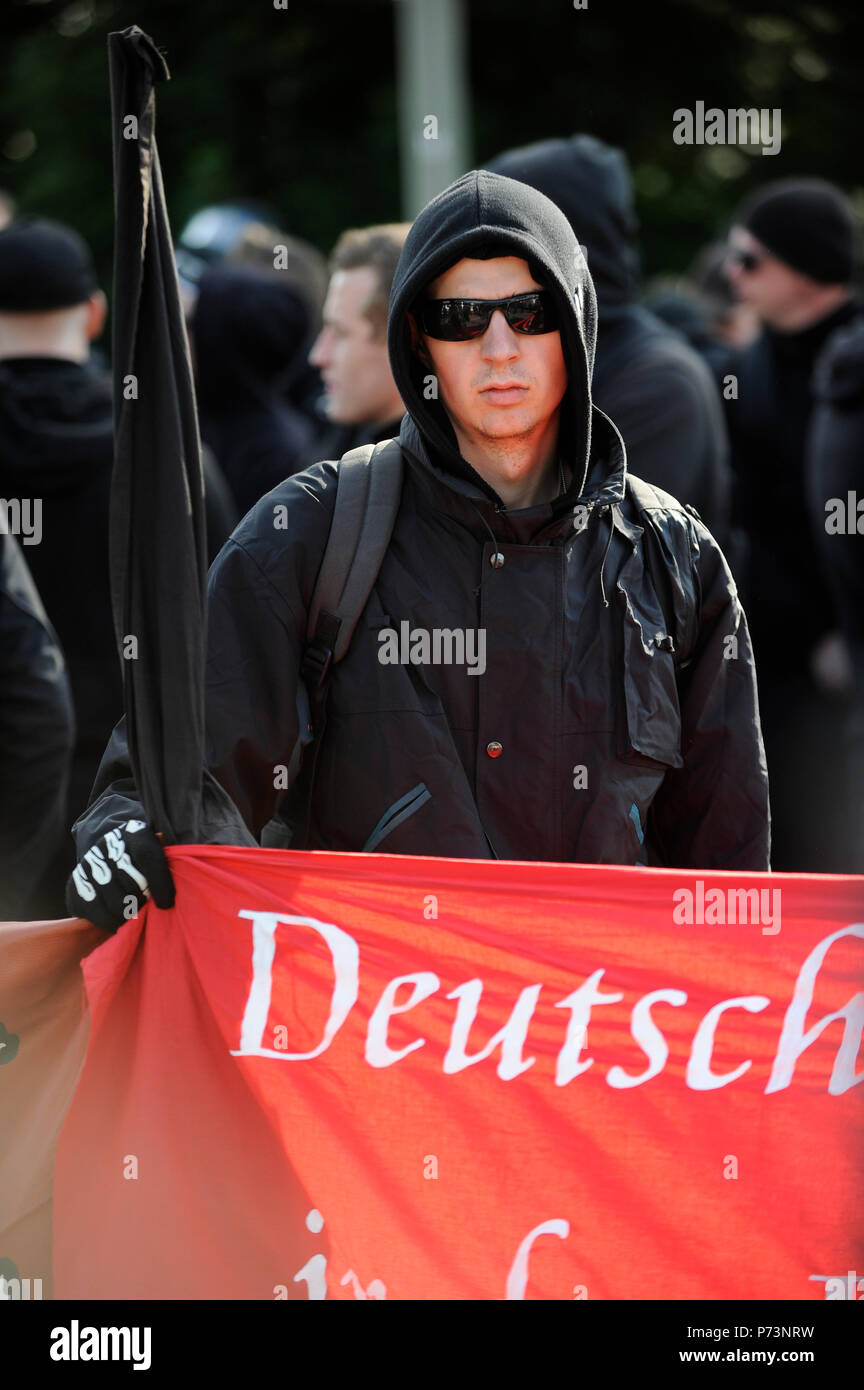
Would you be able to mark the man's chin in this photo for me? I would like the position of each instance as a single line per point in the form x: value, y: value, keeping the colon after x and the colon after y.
x: 503, y: 423
x: 337, y: 413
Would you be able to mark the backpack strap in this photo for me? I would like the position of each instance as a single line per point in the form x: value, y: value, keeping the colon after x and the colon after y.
x: 368, y: 493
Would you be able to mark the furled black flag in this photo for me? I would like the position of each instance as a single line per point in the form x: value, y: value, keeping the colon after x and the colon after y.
x: 157, y: 547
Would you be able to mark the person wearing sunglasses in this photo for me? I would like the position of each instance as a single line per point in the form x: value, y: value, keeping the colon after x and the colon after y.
x: 792, y: 251
x: 613, y: 719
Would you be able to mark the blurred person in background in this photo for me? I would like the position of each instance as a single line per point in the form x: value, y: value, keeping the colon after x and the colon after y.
x: 36, y: 737
x: 300, y: 265
x: 211, y: 234
x: 835, y: 479
x: 360, y: 396
x: 792, y: 253
x: 647, y: 378
x: 703, y: 307
x: 57, y: 447
x: 247, y: 234
x: 251, y: 335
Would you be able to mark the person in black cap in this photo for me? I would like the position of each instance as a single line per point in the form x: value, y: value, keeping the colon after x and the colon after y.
x: 792, y: 254
x: 56, y: 457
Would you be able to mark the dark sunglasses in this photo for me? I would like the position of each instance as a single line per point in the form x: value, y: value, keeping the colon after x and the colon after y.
x: 456, y: 320
x: 745, y: 260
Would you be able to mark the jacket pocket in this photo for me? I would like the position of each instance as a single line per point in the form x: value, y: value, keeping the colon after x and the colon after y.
x: 398, y: 812
x: 653, y: 711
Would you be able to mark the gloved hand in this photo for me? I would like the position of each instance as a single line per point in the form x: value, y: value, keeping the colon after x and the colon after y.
x: 114, y: 878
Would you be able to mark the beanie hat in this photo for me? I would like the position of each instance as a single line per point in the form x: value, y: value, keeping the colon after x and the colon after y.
x: 807, y: 223
x: 43, y: 266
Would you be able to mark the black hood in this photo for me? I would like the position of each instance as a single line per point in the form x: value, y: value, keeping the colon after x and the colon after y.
x: 56, y: 420
x: 591, y: 183
x: 479, y: 216
x: 251, y: 333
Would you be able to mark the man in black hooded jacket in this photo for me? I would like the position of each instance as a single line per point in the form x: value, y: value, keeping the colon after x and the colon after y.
x: 614, y: 719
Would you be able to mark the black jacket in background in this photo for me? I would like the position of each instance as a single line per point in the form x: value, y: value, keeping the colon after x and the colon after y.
x: 606, y: 642
x: 251, y: 335
x: 835, y: 470
x: 789, y: 602
x: 647, y: 378
x: 835, y: 467
x: 335, y: 440
x: 56, y: 444
x: 36, y: 736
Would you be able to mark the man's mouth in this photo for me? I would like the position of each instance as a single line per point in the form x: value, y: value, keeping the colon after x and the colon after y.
x: 504, y: 392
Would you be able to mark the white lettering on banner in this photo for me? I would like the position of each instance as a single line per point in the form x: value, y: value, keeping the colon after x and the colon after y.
x: 375, y: 1290
x: 512, y: 1037
x: 378, y: 1051
x: 517, y: 1279
x: 579, y: 1003
x: 648, y: 1036
x: 346, y: 963
x: 700, y: 1077
x: 793, y: 1039
x: 314, y: 1272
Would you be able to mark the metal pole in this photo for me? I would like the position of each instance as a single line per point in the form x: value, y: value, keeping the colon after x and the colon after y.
x: 433, y: 94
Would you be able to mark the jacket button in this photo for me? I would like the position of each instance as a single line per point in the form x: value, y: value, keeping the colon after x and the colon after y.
x: 494, y: 749
x: 496, y: 560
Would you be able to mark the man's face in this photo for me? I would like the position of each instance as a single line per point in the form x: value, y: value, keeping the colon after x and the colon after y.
x: 772, y: 288
x: 352, y: 359
x: 503, y: 385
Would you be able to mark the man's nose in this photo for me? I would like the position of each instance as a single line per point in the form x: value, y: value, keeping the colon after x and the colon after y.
x: 499, y: 341
x: 318, y: 353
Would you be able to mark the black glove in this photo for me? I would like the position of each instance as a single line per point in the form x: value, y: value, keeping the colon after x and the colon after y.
x: 114, y: 878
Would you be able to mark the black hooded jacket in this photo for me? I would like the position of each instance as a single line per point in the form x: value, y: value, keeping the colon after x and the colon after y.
x: 57, y: 445
x: 647, y: 379
x: 618, y: 677
x: 251, y: 334
x: 37, y: 729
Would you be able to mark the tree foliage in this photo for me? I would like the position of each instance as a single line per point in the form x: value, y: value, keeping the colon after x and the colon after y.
x: 297, y: 107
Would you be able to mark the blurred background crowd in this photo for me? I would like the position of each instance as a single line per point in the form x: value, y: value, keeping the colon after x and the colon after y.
x: 296, y: 148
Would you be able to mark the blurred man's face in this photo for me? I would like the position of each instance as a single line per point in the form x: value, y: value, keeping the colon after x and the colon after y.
x: 769, y: 286
x: 501, y: 390
x: 351, y: 357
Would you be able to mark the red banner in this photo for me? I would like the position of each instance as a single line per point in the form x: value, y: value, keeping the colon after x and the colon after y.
x: 374, y: 1076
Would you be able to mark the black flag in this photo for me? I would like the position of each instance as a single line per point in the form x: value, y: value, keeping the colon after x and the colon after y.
x: 158, y: 540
